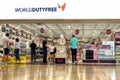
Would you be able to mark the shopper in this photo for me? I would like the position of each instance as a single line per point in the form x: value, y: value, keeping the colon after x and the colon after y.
x: 93, y: 41
x: 52, y: 52
x: 48, y: 55
x: 6, y: 45
x: 17, y: 49
x: 74, y: 44
x: 33, y: 51
x: 45, y: 46
x: 99, y: 42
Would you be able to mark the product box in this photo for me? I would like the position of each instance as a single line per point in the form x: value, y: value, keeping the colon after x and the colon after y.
x: 60, y: 60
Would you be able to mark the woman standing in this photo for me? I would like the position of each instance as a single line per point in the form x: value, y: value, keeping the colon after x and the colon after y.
x: 16, y: 51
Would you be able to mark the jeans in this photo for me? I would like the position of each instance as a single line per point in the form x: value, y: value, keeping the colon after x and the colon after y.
x: 44, y: 55
x: 74, y: 55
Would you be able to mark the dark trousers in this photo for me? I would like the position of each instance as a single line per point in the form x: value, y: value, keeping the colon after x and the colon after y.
x: 44, y: 55
x: 16, y: 52
x: 74, y: 54
x: 33, y: 55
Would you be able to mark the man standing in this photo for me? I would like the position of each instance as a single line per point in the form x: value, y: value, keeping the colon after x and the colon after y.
x: 74, y: 44
x: 45, y: 50
x: 33, y: 51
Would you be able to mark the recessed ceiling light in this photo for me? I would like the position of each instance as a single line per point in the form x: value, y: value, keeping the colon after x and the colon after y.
x: 69, y: 26
x: 49, y: 30
x: 43, y: 26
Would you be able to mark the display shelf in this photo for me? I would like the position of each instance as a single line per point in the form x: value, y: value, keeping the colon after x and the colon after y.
x: 117, y: 50
x: 117, y: 47
x: 105, y: 53
x: 61, y: 55
x: 8, y: 28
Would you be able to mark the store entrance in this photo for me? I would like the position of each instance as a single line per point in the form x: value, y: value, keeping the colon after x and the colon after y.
x: 98, y: 40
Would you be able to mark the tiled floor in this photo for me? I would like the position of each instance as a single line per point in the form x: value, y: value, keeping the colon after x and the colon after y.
x: 58, y: 72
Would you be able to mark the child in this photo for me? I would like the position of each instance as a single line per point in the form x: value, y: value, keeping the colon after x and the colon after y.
x: 16, y: 51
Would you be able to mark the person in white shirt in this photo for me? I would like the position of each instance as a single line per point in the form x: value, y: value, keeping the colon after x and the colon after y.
x: 17, y: 49
x: 52, y: 51
x: 6, y: 45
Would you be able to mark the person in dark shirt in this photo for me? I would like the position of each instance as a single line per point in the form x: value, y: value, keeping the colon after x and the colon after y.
x: 33, y: 51
x: 45, y: 50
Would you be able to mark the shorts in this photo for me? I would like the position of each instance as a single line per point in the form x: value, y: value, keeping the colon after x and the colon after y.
x: 1, y: 51
x: 51, y: 53
x: 6, y: 51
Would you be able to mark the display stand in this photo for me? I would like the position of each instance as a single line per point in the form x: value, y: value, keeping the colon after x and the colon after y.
x: 117, y: 47
x: 21, y: 34
x: 90, y: 54
x: 106, y: 53
x: 61, y: 55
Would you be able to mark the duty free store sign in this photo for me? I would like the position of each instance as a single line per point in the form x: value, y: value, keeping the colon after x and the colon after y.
x: 59, y: 9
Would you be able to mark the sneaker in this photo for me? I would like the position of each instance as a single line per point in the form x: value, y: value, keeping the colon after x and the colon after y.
x: 73, y: 63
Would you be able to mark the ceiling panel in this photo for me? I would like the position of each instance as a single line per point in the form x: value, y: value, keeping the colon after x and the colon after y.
x: 87, y: 30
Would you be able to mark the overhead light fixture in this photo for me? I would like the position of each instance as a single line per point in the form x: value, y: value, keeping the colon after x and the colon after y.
x: 36, y: 34
x: 49, y: 30
x: 69, y: 26
x: 43, y: 26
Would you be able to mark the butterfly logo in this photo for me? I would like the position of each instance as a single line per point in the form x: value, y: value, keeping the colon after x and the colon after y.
x: 62, y: 6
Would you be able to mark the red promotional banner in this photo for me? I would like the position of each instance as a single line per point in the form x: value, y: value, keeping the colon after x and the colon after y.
x: 41, y: 30
x: 108, y: 31
x: 77, y: 31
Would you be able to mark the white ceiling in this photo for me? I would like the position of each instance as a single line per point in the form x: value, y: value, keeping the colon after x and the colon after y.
x: 87, y: 30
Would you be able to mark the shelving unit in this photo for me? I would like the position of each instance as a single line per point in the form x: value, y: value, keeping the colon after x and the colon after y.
x: 61, y: 55
x: 117, y: 47
x: 90, y: 54
x: 16, y: 32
